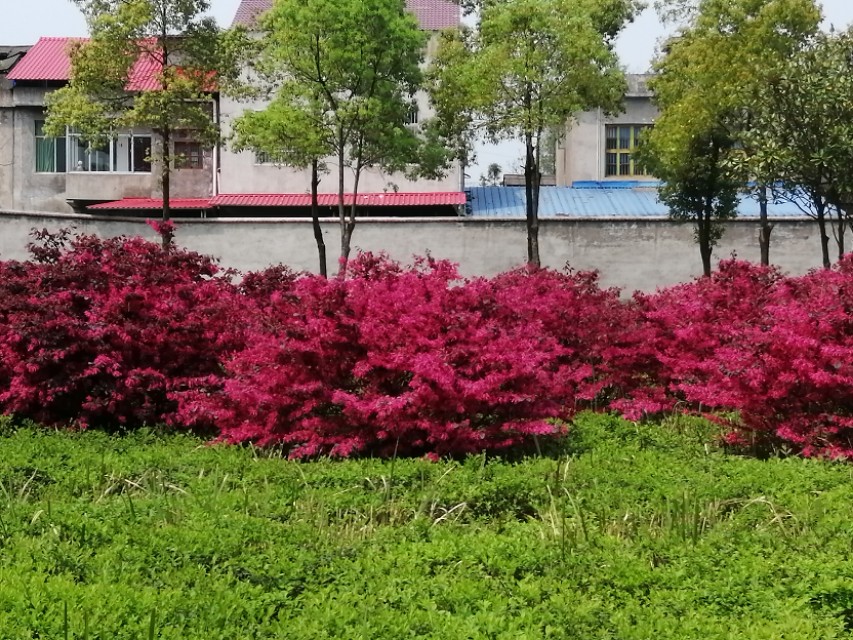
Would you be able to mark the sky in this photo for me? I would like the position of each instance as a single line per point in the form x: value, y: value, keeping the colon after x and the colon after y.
x: 24, y: 21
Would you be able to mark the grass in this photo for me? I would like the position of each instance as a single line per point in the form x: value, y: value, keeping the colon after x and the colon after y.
x: 624, y: 531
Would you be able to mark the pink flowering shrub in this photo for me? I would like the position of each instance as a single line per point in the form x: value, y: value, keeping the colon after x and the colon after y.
x: 165, y: 229
x: 773, y: 354
x: 689, y: 329
x: 415, y: 360
x: 604, y: 352
x: 790, y: 373
x: 412, y: 360
x: 104, y: 332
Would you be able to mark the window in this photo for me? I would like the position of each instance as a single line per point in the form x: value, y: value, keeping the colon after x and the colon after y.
x: 50, y: 152
x: 412, y: 113
x: 188, y: 155
x: 140, y: 154
x: 621, y: 142
x: 124, y: 153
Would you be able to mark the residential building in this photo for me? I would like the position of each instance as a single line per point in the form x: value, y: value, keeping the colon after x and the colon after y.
x: 38, y: 173
x: 599, y: 148
x: 70, y: 173
x: 9, y: 57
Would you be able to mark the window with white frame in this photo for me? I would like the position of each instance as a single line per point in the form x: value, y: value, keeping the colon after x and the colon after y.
x: 50, y: 152
x: 413, y: 113
x: 126, y: 152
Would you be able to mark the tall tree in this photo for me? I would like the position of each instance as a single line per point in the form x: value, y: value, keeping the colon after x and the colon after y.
x: 530, y: 66
x: 805, y: 132
x: 713, y: 79
x: 292, y: 131
x: 148, y: 64
x: 492, y: 177
x: 697, y: 187
x: 346, y: 71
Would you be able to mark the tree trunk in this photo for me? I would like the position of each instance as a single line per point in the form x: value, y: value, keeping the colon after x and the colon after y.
x: 704, y: 237
x: 166, y: 179
x: 349, y: 225
x: 824, y: 238
x: 532, y: 179
x: 345, y: 227
x: 766, y: 227
x: 705, y: 250
x: 315, y: 218
x: 839, y: 236
x: 346, y: 241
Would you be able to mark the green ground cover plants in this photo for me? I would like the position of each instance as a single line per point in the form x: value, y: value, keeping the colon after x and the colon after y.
x: 621, y: 531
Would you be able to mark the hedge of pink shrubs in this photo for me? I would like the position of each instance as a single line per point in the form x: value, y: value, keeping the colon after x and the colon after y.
x: 415, y: 360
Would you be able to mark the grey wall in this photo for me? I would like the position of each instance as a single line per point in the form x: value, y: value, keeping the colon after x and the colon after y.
x: 629, y: 254
x: 7, y: 166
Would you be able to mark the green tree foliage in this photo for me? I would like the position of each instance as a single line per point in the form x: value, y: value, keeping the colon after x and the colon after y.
x: 190, y: 59
x: 341, y: 77
x: 709, y: 84
x: 530, y: 66
x: 804, y: 132
x: 548, y: 150
x: 492, y: 177
x: 696, y: 186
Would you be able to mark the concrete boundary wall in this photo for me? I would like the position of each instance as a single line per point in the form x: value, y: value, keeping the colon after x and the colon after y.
x: 631, y: 254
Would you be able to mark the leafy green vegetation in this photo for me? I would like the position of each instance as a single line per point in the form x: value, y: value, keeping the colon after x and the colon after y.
x: 623, y: 531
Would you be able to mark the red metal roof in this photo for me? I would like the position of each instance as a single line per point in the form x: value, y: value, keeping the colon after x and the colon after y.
x: 331, y: 199
x: 152, y: 204
x: 249, y: 10
x: 424, y: 199
x: 433, y: 15
x: 49, y: 59
x: 145, y: 75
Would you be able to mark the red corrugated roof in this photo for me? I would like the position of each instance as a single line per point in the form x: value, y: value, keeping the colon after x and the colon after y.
x: 331, y: 199
x: 280, y: 200
x: 49, y: 59
x: 152, y: 204
x: 145, y: 74
x: 433, y: 15
x: 249, y: 10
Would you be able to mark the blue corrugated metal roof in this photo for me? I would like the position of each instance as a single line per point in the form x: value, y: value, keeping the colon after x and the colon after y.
x: 615, y: 184
x: 568, y: 202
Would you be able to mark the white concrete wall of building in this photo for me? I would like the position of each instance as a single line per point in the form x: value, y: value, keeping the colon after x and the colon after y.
x: 581, y: 152
x: 239, y: 172
x: 630, y: 254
